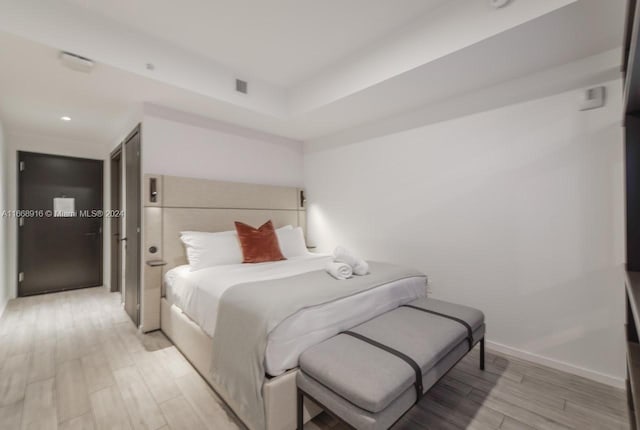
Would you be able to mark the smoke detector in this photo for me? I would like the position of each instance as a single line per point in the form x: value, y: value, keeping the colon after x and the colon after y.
x: 499, y: 3
x: 76, y: 62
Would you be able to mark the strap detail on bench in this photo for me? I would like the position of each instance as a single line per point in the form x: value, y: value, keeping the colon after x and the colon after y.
x: 461, y: 321
x: 410, y: 361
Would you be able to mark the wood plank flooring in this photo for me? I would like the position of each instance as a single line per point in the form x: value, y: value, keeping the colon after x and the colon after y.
x: 73, y: 360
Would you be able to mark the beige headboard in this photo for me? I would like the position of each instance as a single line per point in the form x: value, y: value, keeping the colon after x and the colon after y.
x: 203, y: 205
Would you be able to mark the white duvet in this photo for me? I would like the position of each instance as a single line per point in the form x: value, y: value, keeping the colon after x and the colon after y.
x: 198, y: 293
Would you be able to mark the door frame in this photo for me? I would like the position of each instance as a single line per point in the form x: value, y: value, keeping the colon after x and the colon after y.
x: 116, y: 159
x: 19, y: 187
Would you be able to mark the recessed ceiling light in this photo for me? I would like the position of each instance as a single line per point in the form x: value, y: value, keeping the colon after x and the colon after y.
x: 65, y: 118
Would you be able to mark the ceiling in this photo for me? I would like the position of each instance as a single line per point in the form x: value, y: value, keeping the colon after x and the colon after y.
x: 280, y: 41
x: 314, y: 67
x: 37, y: 90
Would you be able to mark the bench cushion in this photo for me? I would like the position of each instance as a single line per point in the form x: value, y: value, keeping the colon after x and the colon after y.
x: 366, y: 420
x: 371, y: 378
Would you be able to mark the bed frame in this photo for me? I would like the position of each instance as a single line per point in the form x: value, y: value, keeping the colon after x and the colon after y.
x: 174, y: 204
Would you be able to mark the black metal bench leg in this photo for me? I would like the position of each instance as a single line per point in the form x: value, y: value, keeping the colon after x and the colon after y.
x: 482, y: 354
x: 300, y: 410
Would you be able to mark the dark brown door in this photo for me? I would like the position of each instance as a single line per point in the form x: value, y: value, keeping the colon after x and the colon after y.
x: 116, y: 208
x: 132, y: 226
x: 59, y: 248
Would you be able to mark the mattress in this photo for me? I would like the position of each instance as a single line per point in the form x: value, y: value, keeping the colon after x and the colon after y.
x: 198, y: 293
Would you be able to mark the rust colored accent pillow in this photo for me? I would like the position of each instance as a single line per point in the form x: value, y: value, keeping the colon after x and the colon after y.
x: 259, y: 245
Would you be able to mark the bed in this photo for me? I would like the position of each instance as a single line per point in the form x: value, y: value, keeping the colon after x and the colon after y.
x: 188, y: 301
x: 197, y: 294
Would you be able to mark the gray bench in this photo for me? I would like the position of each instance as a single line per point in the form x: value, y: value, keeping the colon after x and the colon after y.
x: 370, y: 376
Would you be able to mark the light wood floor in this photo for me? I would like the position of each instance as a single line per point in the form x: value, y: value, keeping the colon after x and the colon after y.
x: 73, y: 360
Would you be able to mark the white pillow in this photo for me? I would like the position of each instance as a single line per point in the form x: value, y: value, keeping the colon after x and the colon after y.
x: 292, y: 242
x: 211, y: 249
x: 205, y: 249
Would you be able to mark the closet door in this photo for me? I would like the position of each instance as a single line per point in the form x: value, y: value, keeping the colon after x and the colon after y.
x: 132, y: 226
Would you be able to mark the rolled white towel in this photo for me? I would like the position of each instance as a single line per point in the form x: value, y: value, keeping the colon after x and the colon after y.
x: 339, y: 271
x: 342, y: 255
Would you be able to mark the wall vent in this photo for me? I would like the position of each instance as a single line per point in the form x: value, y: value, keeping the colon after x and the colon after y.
x: 593, y: 98
x: 241, y: 86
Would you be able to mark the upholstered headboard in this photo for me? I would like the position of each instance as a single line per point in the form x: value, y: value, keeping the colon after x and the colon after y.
x: 173, y: 204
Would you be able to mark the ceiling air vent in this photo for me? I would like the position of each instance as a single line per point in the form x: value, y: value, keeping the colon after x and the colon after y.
x: 241, y: 86
x: 76, y: 62
x: 499, y: 3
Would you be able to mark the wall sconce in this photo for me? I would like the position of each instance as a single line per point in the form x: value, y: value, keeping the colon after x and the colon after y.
x: 303, y: 199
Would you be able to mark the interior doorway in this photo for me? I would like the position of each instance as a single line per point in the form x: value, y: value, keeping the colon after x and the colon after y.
x: 60, y: 215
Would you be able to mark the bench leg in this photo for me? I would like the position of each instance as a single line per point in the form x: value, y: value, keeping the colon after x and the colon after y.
x: 300, y: 414
x: 482, y: 354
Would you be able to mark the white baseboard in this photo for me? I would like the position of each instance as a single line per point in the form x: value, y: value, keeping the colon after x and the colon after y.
x: 558, y: 365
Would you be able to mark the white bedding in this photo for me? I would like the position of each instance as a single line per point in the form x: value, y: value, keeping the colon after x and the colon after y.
x: 197, y: 294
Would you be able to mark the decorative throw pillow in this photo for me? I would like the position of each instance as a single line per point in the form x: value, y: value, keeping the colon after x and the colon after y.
x: 259, y: 245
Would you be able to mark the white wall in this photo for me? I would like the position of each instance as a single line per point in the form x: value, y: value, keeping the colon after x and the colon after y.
x: 23, y: 141
x: 179, y: 144
x: 517, y: 211
x: 5, y: 292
